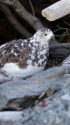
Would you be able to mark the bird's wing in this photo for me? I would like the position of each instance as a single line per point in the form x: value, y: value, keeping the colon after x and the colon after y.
x: 14, y: 51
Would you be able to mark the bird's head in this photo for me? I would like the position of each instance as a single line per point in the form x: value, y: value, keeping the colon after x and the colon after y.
x: 44, y: 35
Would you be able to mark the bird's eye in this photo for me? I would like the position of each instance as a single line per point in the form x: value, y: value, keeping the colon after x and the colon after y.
x: 45, y: 34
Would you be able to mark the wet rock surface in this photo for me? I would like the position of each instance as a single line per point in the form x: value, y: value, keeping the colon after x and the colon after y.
x: 43, y: 98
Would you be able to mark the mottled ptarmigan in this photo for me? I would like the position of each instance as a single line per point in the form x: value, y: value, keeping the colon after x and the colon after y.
x: 22, y: 58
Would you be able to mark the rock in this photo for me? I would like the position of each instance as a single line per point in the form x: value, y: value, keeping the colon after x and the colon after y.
x: 15, y: 93
x: 14, y: 116
x: 62, y: 51
x: 53, y: 110
x: 66, y: 97
x: 57, y: 112
x: 67, y: 60
x: 10, y: 118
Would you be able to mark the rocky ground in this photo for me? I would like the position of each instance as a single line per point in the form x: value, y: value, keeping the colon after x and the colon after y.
x: 43, y: 99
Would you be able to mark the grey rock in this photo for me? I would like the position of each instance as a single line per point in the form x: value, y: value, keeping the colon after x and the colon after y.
x: 56, y: 113
x: 67, y: 60
x: 10, y: 118
x: 15, y: 116
x: 62, y: 51
x: 14, y: 93
x: 55, y: 82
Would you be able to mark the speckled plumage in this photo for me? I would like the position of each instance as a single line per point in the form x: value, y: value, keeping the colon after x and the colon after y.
x: 22, y: 58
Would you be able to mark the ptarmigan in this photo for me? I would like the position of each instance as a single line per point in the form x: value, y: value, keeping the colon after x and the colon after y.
x: 22, y: 58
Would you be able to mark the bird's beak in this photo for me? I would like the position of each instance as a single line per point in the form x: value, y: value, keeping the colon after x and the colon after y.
x: 52, y: 37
